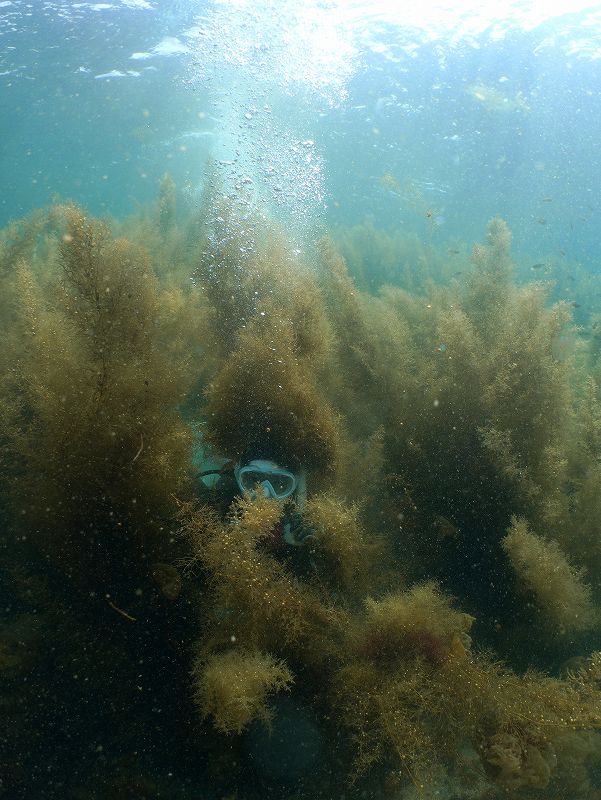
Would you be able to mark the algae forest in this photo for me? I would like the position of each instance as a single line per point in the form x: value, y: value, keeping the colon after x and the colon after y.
x: 434, y: 632
x: 300, y: 400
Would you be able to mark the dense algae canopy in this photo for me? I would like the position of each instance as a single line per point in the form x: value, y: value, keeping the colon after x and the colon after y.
x: 453, y: 562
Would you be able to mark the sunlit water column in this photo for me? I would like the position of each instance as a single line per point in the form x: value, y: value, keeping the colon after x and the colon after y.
x: 273, y: 68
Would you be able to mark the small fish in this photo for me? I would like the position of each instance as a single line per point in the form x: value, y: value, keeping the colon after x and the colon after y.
x: 541, y: 221
x: 546, y: 199
x: 453, y: 251
x: 539, y: 265
x: 442, y: 348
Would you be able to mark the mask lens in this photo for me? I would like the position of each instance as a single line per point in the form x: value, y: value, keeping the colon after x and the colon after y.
x: 282, y: 482
x: 251, y: 479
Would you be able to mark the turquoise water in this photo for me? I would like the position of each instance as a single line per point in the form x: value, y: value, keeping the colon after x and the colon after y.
x: 241, y: 233
x: 468, y: 115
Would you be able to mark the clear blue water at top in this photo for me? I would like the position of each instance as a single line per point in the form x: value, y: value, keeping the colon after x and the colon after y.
x: 317, y: 112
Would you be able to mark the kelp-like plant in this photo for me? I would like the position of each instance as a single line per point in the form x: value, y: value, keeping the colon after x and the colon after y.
x: 558, y: 589
x: 477, y: 405
x: 264, y: 403
x: 345, y: 556
x: 578, y: 528
x: 233, y: 687
x: 377, y: 258
x: 249, y: 271
x: 101, y: 360
x: 422, y: 712
x: 499, y: 400
x: 269, y: 324
x: 459, y: 405
x: 462, y: 410
x: 260, y: 610
x: 399, y: 673
x: 265, y: 605
x: 416, y: 697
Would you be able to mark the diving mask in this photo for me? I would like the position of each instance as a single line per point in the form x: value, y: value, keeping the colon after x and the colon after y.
x: 276, y: 482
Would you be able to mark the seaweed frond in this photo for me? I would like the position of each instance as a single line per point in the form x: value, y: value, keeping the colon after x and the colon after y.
x: 558, y: 587
x: 233, y: 687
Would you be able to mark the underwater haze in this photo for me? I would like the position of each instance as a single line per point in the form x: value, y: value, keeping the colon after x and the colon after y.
x: 300, y: 400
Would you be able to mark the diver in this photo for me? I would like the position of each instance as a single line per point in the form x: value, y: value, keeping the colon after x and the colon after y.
x: 228, y: 480
x: 288, y: 750
x: 284, y: 486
